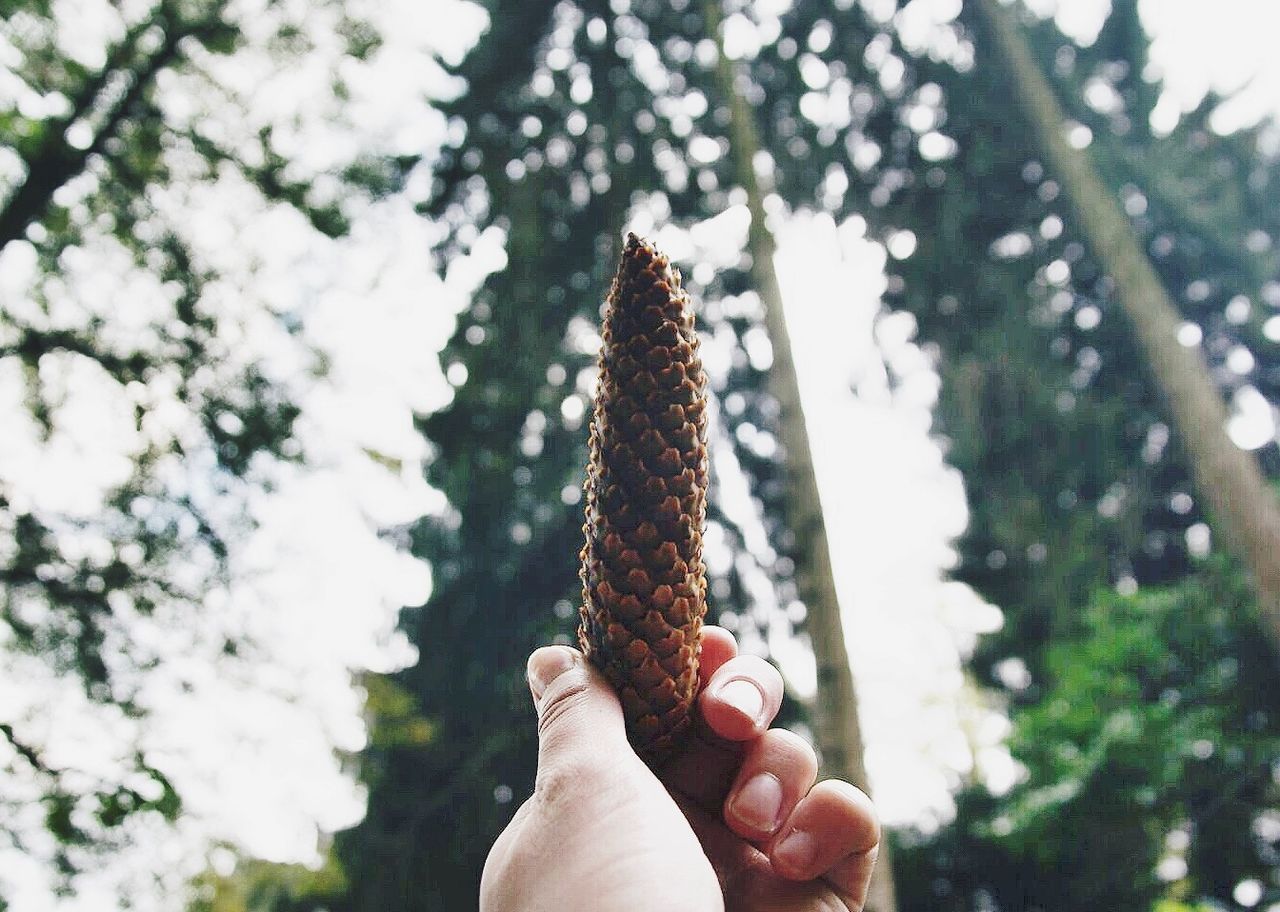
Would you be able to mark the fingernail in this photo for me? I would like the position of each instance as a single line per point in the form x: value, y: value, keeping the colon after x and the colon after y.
x: 547, y: 664
x: 743, y: 696
x: 758, y: 803
x: 797, y: 851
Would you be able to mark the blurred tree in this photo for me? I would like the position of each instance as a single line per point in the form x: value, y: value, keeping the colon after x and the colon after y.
x: 838, y: 733
x: 1159, y: 735
x: 258, y: 886
x: 1149, y: 761
x: 150, y: 388
x: 575, y: 115
x: 1062, y: 441
x: 102, y: 105
x: 1242, y: 506
x: 539, y: 169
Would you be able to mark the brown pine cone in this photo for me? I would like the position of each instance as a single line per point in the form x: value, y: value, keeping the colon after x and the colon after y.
x: 643, y: 581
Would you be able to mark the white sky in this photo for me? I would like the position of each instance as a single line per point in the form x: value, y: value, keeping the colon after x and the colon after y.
x: 892, y: 508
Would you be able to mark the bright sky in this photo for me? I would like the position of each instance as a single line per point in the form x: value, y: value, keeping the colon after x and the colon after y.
x: 892, y: 507
x: 253, y: 753
x: 1225, y: 46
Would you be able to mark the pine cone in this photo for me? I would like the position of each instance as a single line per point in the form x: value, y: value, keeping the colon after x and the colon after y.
x: 643, y: 581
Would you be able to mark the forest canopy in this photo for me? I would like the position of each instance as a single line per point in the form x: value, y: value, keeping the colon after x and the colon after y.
x: 299, y: 313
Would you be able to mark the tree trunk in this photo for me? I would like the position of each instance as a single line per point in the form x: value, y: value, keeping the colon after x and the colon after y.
x: 1241, y: 505
x: 836, y: 725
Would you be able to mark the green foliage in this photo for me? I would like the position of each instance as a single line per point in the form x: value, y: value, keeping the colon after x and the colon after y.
x: 1159, y: 717
x: 395, y: 717
x: 1154, y: 727
x: 258, y: 886
x: 1171, y: 905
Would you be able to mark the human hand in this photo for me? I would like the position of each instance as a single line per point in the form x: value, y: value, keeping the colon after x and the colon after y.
x: 733, y: 822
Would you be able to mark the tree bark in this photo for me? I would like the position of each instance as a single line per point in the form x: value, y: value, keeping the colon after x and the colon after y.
x: 1242, y: 506
x: 835, y: 711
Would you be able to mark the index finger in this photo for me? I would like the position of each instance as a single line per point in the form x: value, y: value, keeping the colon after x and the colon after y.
x: 741, y: 699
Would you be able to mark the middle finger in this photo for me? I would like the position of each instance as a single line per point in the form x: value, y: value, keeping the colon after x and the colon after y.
x: 777, y: 771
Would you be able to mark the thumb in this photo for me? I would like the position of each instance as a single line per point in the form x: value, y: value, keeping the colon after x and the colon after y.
x: 579, y: 716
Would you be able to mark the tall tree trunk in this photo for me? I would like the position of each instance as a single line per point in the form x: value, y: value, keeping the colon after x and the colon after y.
x: 836, y: 724
x: 1242, y: 506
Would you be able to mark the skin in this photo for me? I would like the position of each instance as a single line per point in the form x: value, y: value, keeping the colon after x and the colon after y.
x: 734, y: 823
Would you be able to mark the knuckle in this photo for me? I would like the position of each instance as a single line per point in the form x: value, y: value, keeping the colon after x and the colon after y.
x: 565, y: 765
x: 555, y: 783
x: 563, y: 780
x: 863, y: 818
x: 560, y: 702
x: 851, y: 879
x: 789, y: 743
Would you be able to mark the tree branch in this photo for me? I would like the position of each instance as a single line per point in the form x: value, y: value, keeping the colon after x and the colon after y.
x: 55, y: 161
